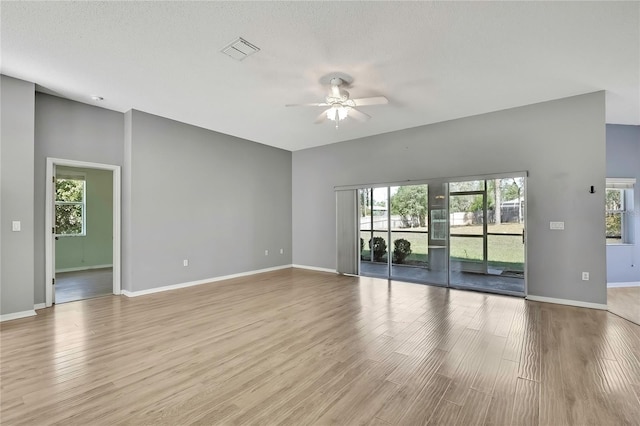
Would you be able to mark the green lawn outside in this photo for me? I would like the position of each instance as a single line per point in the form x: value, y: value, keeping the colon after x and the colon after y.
x: 505, y: 252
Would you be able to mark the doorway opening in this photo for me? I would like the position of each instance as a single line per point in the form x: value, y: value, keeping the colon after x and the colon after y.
x: 82, y: 229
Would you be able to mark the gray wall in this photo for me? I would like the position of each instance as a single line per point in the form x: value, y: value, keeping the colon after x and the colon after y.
x: 16, y: 174
x: 561, y: 143
x: 623, y: 161
x: 214, y: 199
x: 95, y: 248
x: 71, y: 131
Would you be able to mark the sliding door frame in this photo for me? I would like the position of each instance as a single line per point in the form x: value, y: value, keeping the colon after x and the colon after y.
x: 447, y: 180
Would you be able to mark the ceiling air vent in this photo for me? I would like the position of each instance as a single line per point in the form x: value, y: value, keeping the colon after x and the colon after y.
x: 240, y: 49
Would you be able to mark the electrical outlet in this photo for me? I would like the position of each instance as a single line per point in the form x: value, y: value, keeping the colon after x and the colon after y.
x: 558, y: 226
x: 266, y: 252
x: 185, y: 262
x: 585, y: 276
x: 281, y: 251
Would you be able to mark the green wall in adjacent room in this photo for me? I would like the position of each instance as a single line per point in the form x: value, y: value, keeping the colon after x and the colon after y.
x: 95, y: 248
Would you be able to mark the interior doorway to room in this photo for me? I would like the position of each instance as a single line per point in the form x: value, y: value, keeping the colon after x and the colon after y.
x: 460, y: 233
x: 83, y: 222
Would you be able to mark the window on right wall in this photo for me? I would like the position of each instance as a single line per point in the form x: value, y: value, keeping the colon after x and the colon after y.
x: 619, y: 210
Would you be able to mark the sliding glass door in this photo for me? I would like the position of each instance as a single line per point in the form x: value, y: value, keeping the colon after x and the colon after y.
x: 459, y: 233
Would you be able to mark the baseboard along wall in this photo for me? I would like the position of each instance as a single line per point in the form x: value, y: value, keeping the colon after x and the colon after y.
x: 567, y: 302
x: 200, y: 282
x: 84, y: 268
x: 624, y: 284
x: 314, y: 268
x: 17, y: 315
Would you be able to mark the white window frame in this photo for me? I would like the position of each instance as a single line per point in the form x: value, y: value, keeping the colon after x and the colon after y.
x: 75, y: 176
x: 624, y: 185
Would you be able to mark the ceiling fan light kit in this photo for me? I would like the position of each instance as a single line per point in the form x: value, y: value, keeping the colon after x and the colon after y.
x: 340, y: 105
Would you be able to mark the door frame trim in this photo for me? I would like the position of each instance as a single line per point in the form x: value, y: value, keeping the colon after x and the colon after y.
x: 49, y: 240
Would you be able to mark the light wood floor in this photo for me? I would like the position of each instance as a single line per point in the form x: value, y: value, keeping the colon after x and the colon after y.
x: 625, y: 301
x: 79, y: 285
x: 299, y: 347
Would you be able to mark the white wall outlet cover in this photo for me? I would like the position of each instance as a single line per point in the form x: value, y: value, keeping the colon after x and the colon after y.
x: 266, y: 252
x: 15, y: 226
x: 556, y: 225
x: 585, y: 276
x: 185, y: 262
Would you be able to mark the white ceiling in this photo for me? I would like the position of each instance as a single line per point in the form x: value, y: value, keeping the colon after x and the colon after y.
x: 435, y: 61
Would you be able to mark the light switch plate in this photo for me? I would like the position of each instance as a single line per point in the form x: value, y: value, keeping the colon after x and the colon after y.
x: 15, y: 226
x: 558, y: 226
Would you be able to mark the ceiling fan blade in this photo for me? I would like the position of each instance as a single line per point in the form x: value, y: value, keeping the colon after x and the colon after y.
x: 375, y: 100
x: 358, y: 115
x: 322, y: 117
x: 315, y: 104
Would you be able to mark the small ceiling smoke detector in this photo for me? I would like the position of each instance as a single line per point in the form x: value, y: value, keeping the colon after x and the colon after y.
x: 97, y: 98
x: 240, y: 49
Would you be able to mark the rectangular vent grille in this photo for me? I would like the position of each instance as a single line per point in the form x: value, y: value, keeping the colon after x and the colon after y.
x: 240, y: 49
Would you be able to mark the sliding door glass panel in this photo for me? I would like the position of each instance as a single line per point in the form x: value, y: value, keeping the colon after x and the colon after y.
x: 487, y: 235
x: 465, y: 186
x: 409, y: 233
x: 374, y: 232
x: 467, y: 253
x: 365, y: 199
x: 505, y: 234
x: 437, y: 238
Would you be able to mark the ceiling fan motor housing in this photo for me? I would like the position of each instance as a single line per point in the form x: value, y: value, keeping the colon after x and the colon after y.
x: 332, y: 99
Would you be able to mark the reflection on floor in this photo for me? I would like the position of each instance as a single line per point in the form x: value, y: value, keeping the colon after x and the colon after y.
x: 625, y: 302
x: 80, y: 285
x: 493, y: 283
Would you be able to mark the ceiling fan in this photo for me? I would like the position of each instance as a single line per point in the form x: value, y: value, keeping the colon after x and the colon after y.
x: 340, y: 106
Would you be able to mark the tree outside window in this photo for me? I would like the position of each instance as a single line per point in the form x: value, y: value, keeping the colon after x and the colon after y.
x: 614, y: 215
x: 70, y: 206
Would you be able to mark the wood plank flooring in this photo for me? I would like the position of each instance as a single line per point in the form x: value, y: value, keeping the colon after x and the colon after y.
x: 79, y: 285
x: 297, y: 347
x: 625, y: 302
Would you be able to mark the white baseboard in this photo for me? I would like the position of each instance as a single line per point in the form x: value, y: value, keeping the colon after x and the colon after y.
x: 17, y: 315
x: 314, y: 268
x: 84, y: 268
x: 568, y: 302
x: 199, y: 282
x: 39, y: 306
x: 627, y: 284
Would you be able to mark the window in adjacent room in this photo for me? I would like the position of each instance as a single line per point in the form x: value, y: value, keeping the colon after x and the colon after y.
x: 619, y: 206
x: 70, y: 205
